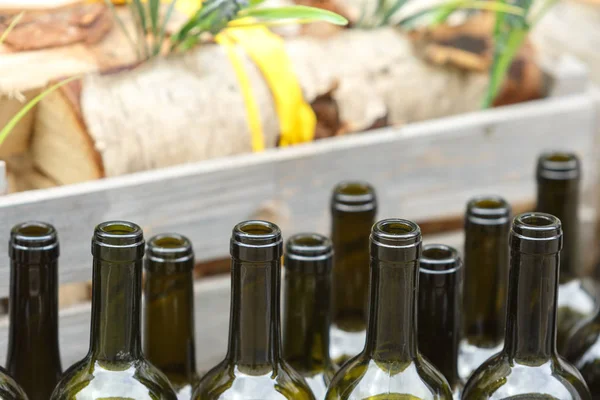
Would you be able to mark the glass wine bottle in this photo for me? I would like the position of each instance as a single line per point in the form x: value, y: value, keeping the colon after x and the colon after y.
x: 114, y: 367
x: 487, y: 223
x: 558, y: 176
x: 440, y: 297
x: 33, y: 357
x: 253, y: 367
x: 390, y: 367
x: 353, y: 210
x: 169, y: 311
x: 306, y: 309
x: 529, y: 367
x: 583, y: 350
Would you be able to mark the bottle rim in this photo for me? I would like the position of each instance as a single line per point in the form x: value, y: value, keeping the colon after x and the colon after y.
x: 536, y: 233
x: 118, y: 241
x: 310, y: 253
x: 439, y: 259
x: 33, y: 241
x: 256, y: 241
x: 488, y: 210
x: 558, y: 165
x: 395, y: 240
x: 353, y: 196
x: 169, y: 248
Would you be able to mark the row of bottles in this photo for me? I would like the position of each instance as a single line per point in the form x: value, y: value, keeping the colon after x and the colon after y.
x: 370, y: 314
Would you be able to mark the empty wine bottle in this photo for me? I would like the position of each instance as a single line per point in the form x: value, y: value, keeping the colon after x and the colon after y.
x: 33, y: 357
x: 307, y: 312
x: 353, y: 210
x: 169, y: 311
x: 529, y: 367
x: 390, y: 367
x: 253, y: 367
x: 114, y: 367
x: 487, y: 223
x: 440, y: 297
x: 583, y: 350
x: 9, y: 389
x: 558, y: 176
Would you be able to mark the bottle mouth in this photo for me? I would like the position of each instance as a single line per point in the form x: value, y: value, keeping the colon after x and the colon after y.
x: 305, y: 251
x: 558, y: 165
x: 118, y: 241
x: 353, y: 196
x: 169, y: 248
x: 536, y: 233
x: 256, y: 241
x: 488, y: 210
x: 396, y: 240
x: 439, y: 259
x: 33, y: 239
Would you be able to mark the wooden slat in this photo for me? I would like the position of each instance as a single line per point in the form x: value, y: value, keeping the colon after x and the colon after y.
x: 420, y: 171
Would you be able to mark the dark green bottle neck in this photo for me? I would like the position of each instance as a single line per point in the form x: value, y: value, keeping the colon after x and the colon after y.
x: 33, y: 335
x: 392, y: 328
x: 170, y: 301
x: 350, y: 236
x: 116, y: 298
x: 561, y: 199
x: 306, y: 321
x: 531, y: 312
x: 485, y: 282
x: 254, y: 335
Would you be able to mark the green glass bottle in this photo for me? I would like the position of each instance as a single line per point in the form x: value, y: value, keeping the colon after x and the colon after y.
x: 558, y: 176
x: 169, y: 311
x: 487, y: 223
x: 390, y: 367
x: 529, y: 367
x: 440, y: 297
x: 353, y: 210
x: 33, y: 357
x: 253, y: 367
x: 9, y: 389
x: 583, y: 350
x: 306, y: 309
x: 114, y: 367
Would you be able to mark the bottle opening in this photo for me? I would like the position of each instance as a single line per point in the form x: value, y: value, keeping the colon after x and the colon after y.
x: 354, y: 197
x: 169, y: 247
x: 396, y: 240
x: 488, y: 210
x: 256, y: 241
x: 308, y: 246
x: 38, y: 237
x: 118, y: 241
x: 558, y: 165
x: 439, y: 258
x: 537, y: 232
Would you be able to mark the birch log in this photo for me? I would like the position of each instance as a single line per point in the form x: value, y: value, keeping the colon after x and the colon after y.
x: 188, y: 108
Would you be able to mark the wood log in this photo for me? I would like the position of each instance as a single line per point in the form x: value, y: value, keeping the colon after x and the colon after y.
x: 188, y: 108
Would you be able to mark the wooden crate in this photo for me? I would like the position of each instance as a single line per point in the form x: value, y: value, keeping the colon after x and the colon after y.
x: 424, y: 171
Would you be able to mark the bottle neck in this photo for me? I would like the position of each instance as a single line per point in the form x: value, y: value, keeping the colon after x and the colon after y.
x: 391, y: 332
x: 561, y: 199
x: 531, y: 312
x: 254, y: 323
x: 33, y: 351
x: 485, y: 283
x: 116, y: 297
x: 169, y: 324
x: 306, y: 321
x: 350, y: 236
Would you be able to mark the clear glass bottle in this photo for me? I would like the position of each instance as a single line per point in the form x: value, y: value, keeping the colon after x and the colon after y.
x: 529, y: 367
x: 390, y: 367
x: 306, y: 309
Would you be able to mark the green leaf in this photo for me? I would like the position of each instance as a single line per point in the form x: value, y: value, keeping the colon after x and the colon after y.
x: 302, y: 13
x: 392, y: 11
x: 255, y: 3
x: 153, y: 6
x: 32, y: 103
x: 11, y: 26
x: 163, y: 28
x: 111, y: 7
x: 141, y: 14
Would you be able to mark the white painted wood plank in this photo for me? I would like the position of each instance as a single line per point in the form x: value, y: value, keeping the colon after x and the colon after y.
x: 420, y: 171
